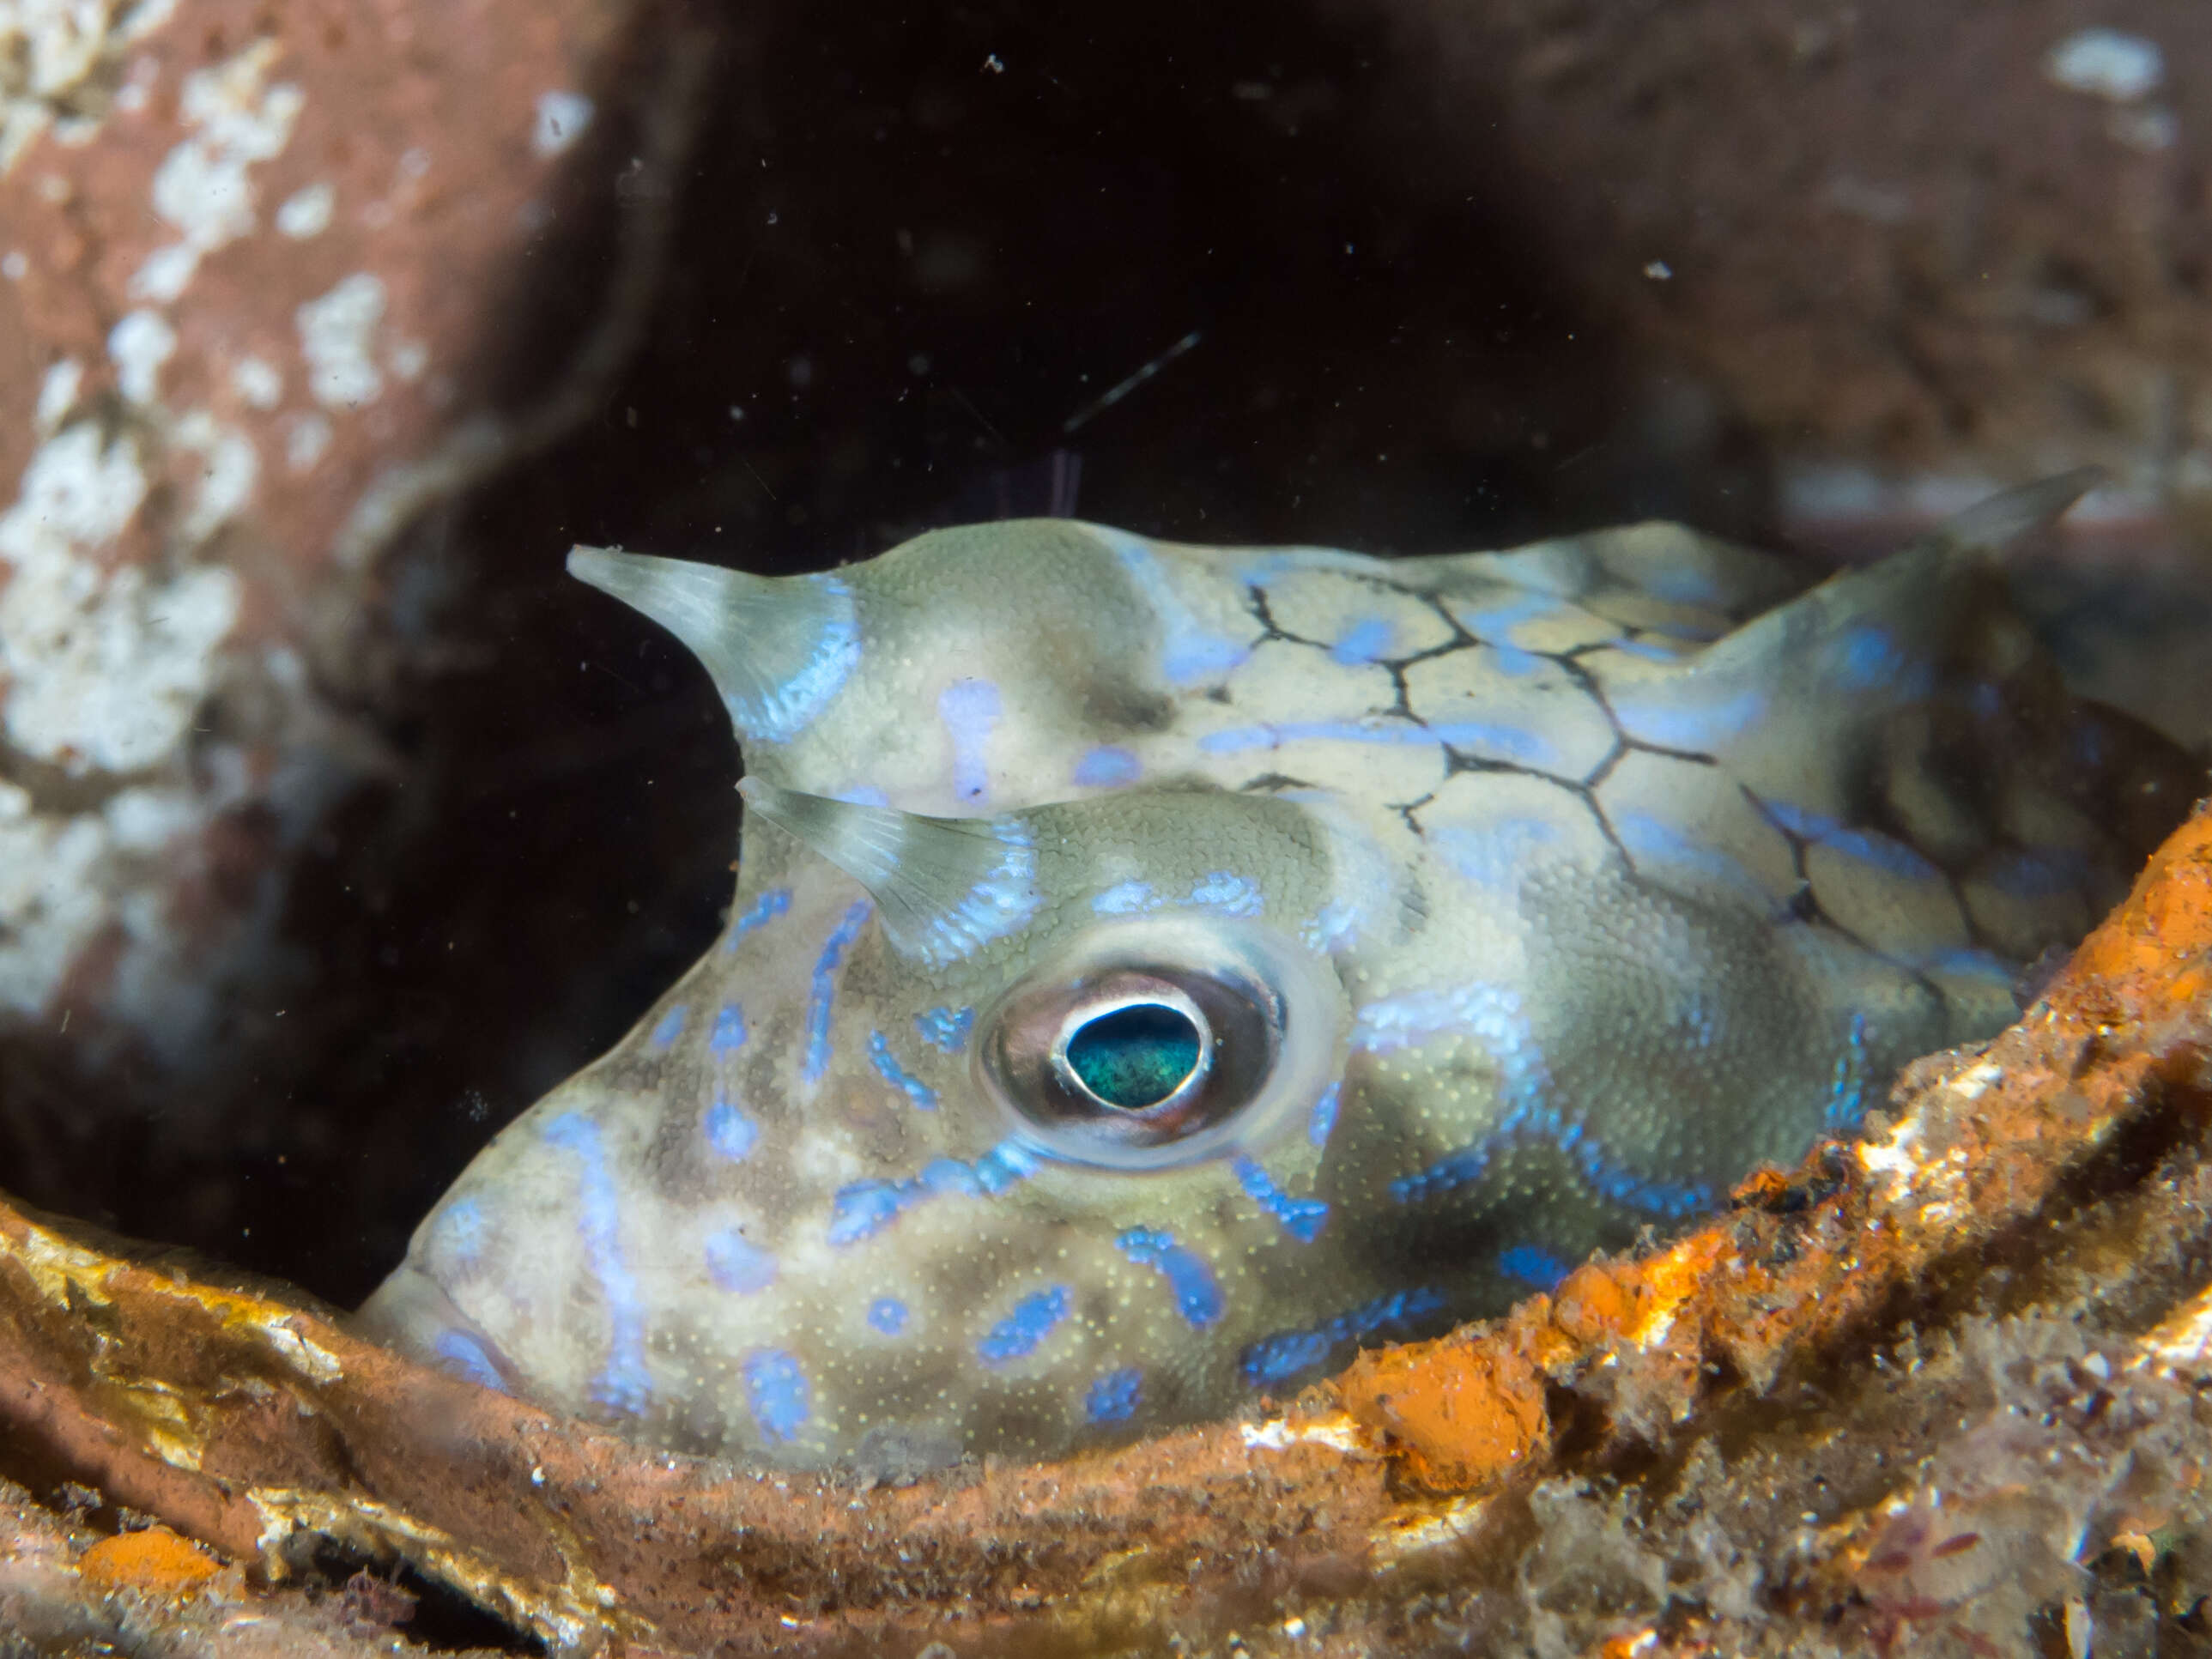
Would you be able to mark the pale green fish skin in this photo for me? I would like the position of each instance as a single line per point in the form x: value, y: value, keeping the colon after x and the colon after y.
x: 1582, y: 893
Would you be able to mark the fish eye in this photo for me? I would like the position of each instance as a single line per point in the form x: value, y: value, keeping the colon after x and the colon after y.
x: 1157, y: 1045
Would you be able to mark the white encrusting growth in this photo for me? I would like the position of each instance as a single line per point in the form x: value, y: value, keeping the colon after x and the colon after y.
x: 203, y: 187
x: 307, y: 211
x: 2107, y: 63
x: 562, y: 118
x: 337, y: 336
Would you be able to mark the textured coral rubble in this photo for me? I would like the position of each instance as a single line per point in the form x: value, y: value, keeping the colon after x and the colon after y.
x: 1941, y: 1386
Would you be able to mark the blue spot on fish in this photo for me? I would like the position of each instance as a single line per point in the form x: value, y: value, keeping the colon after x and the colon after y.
x: 735, y: 1263
x: 1277, y: 1360
x: 459, y: 1232
x: 464, y: 1356
x: 1497, y: 856
x: 1115, y: 1397
x: 970, y: 710
x: 1365, y: 640
x: 887, y: 1316
x: 945, y: 1028
x: 730, y: 1134
x: 1654, y: 840
x: 1300, y: 1217
x: 1323, y: 1119
x: 1125, y: 898
x: 1226, y: 891
x: 1106, y: 766
x: 1022, y: 1332
x: 1198, y: 1297
x: 670, y: 1028
x: 624, y: 1384
x: 765, y: 909
x: 1532, y: 1265
x: 778, y: 1393
x: 1494, y: 624
x: 1693, y: 724
x: 824, y: 990
x: 1868, y: 847
x: 729, y: 1034
x: 923, y: 1096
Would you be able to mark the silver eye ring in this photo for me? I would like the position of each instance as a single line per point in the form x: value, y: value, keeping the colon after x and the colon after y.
x: 1161, y: 1042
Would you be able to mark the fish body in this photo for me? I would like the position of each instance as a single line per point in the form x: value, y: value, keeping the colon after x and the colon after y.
x: 1155, y: 970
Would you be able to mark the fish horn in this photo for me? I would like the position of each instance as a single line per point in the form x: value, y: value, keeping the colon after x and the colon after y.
x: 945, y: 887
x: 779, y: 648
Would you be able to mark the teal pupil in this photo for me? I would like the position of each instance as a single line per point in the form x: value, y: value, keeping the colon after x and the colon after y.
x: 1134, y: 1057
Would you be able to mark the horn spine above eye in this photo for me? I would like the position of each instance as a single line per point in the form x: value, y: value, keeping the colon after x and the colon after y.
x: 779, y: 648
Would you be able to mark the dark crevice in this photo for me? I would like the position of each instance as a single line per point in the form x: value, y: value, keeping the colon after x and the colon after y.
x: 896, y: 274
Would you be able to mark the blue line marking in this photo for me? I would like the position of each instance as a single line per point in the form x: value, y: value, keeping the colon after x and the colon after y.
x: 970, y: 710
x: 1484, y: 739
x: 766, y: 908
x: 945, y: 1029
x: 1323, y: 1121
x: 1189, y: 651
x: 1198, y: 1297
x: 1115, y: 1397
x: 1847, y: 1088
x: 923, y: 1096
x: 864, y: 1208
x: 1533, y: 1265
x: 735, y: 1263
x: 887, y: 1316
x: 625, y: 1385
x: 778, y: 1393
x: 1365, y: 640
x: 467, y: 1357
x: 671, y: 1026
x: 1277, y: 1360
x: 1022, y: 1332
x: 729, y: 1034
x: 825, y: 990
x: 1674, y: 1199
x: 1868, y: 847
x: 1107, y: 766
x: 730, y: 1134
x: 780, y: 712
x: 1303, y: 1218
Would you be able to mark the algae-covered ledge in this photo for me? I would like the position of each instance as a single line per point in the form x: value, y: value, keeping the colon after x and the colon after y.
x: 1426, y: 1484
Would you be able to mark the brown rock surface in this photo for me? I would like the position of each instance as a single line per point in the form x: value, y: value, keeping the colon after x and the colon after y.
x: 251, y: 261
